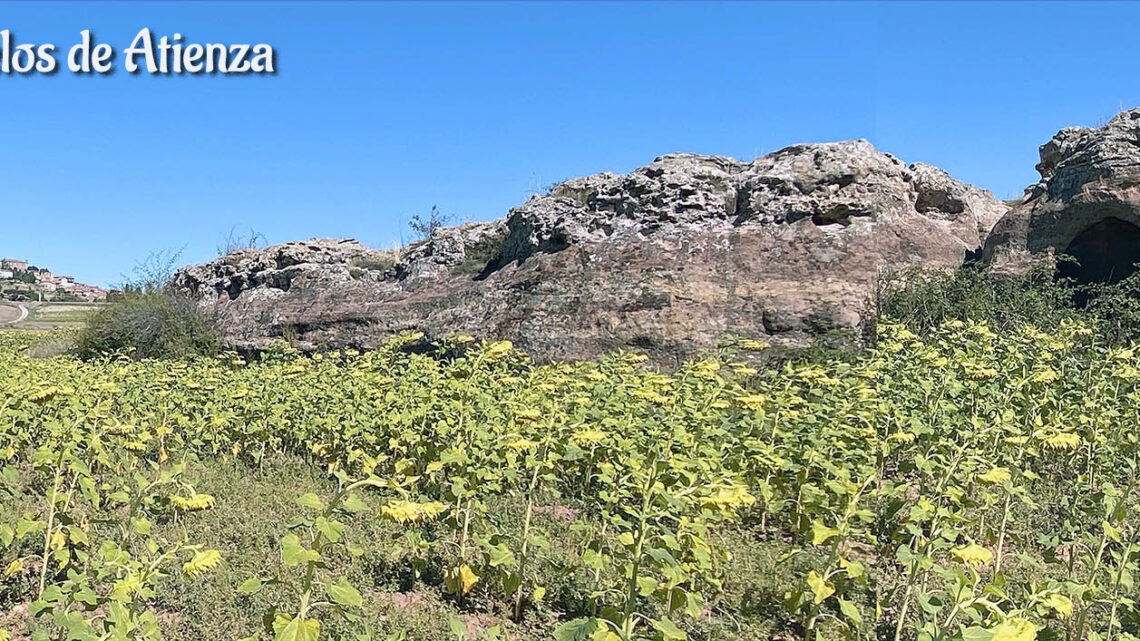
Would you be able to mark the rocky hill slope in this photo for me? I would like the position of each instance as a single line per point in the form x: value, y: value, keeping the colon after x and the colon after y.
x: 1086, y: 205
x: 668, y: 259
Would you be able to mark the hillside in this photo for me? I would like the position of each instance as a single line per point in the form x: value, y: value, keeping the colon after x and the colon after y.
x: 22, y: 281
x: 668, y: 259
x: 689, y: 251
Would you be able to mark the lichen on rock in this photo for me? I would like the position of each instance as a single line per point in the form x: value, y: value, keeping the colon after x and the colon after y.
x: 1086, y: 204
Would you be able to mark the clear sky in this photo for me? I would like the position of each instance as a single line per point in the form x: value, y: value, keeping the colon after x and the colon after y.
x: 380, y: 111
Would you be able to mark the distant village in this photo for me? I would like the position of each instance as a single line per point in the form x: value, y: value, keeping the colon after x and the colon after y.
x: 21, y: 281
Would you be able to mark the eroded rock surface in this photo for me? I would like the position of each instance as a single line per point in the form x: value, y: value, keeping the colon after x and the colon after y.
x: 669, y: 259
x: 1087, y: 204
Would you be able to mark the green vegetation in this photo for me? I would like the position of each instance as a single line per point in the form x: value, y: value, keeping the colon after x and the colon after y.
x: 150, y: 319
x: 19, y: 293
x: 67, y: 314
x: 960, y: 484
x: 157, y: 324
x: 971, y: 477
x: 923, y: 300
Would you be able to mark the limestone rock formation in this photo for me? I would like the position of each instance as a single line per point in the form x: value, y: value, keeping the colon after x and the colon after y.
x: 1086, y: 205
x: 669, y: 259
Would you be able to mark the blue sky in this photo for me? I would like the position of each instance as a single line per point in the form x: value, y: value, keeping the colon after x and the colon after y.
x: 380, y: 111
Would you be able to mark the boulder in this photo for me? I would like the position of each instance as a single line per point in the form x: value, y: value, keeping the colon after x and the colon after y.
x: 1086, y: 205
x: 670, y: 259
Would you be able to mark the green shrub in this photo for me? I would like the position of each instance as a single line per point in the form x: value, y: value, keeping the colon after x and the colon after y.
x: 149, y: 319
x: 922, y: 300
x: 1116, y: 308
x: 157, y: 324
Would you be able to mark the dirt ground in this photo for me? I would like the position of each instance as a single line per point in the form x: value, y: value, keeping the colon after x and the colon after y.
x: 8, y: 313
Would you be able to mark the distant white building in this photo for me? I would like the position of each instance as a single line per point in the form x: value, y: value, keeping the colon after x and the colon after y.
x: 6, y: 275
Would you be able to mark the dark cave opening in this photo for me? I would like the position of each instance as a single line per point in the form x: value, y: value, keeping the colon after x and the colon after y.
x: 1106, y: 252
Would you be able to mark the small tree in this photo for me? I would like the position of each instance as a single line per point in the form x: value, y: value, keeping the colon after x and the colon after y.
x: 425, y: 228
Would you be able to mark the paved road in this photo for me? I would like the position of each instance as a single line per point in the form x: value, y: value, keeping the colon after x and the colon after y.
x: 10, y: 313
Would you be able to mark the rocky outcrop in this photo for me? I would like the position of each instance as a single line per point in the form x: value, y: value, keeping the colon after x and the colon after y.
x: 1087, y: 204
x: 668, y: 259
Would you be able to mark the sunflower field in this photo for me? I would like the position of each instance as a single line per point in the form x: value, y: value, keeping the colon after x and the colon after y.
x: 959, y: 485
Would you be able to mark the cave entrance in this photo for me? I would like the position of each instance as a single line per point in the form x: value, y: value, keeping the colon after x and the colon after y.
x: 1105, y: 253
